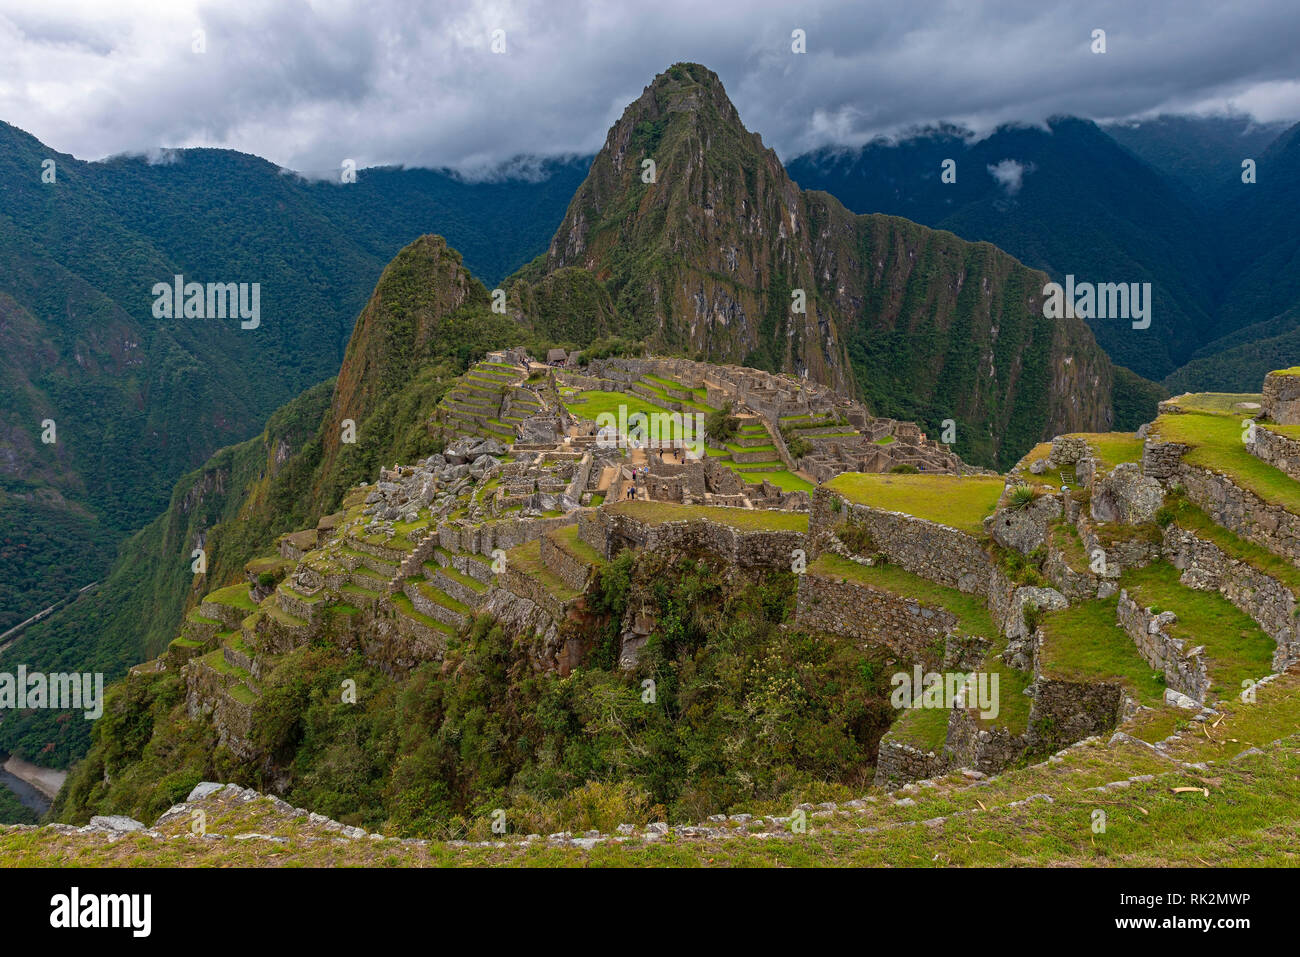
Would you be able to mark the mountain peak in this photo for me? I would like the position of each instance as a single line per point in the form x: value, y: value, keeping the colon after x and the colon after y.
x: 704, y: 245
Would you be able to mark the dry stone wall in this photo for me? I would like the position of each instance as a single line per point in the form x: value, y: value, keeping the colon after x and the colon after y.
x: 1242, y: 512
x: 1184, y: 669
x: 1281, y: 402
x: 572, y: 570
x: 933, y: 551
x: 898, y: 763
x: 1277, y: 450
x: 610, y: 533
x: 1207, y: 567
x: 903, y: 625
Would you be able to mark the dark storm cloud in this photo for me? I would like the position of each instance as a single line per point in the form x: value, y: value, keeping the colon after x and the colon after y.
x: 310, y: 84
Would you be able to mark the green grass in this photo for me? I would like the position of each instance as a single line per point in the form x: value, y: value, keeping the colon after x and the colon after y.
x: 962, y: 502
x: 589, y: 405
x: 236, y: 595
x: 1191, y: 518
x: 925, y: 729
x: 294, y: 593
x: 972, y: 618
x: 567, y: 539
x: 657, y: 513
x: 528, y: 559
x: 1084, y: 643
x: 785, y: 480
x: 406, y: 609
x: 1216, y: 444
x: 439, y: 597
x: 972, y: 615
x: 473, y: 584
x: 1215, y: 402
x: 357, y: 591
x: 1113, y: 448
x: 887, y: 440
x: 1236, y: 648
x: 1290, y: 431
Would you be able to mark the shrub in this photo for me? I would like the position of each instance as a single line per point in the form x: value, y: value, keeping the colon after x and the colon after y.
x: 857, y: 538
x: 1022, y: 496
x: 796, y: 444
x: 904, y: 470
x: 721, y: 425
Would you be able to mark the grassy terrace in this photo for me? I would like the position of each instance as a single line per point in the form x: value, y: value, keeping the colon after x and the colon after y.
x: 528, y: 559
x: 405, y: 608
x: 234, y: 595
x: 657, y: 387
x: 1109, y: 448
x: 439, y: 597
x: 1216, y: 444
x: 962, y: 502
x: 590, y: 404
x: 1236, y: 647
x: 1218, y: 403
x: 1083, y: 643
x: 1191, y: 518
x: 785, y: 480
x: 925, y: 729
x: 748, y: 520
x: 567, y: 539
x: 1113, y: 448
x: 973, y: 618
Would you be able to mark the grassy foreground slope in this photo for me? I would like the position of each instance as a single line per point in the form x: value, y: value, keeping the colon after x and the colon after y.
x: 1199, y: 801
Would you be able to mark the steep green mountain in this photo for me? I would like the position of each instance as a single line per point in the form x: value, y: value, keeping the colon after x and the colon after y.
x: 139, y: 401
x: 425, y: 317
x: 1261, y: 244
x: 1246, y: 355
x: 1070, y: 201
x: 1257, y: 315
x: 1203, y: 153
x: 922, y: 324
x: 707, y: 255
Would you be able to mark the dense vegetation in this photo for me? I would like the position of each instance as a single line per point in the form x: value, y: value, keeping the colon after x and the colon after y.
x: 744, y: 712
x: 427, y: 319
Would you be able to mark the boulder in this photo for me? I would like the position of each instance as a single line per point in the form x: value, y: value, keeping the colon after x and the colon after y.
x: 1025, y: 529
x: 115, y: 822
x: 1126, y: 495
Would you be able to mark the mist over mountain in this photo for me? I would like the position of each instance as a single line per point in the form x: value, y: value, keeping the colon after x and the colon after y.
x: 1161, y: 202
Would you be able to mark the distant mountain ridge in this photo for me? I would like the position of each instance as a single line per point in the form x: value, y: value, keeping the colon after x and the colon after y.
x: 1162, y: 201
x: 139, y: 401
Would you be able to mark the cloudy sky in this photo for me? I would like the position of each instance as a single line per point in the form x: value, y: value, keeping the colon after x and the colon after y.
x: 307, y: 84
